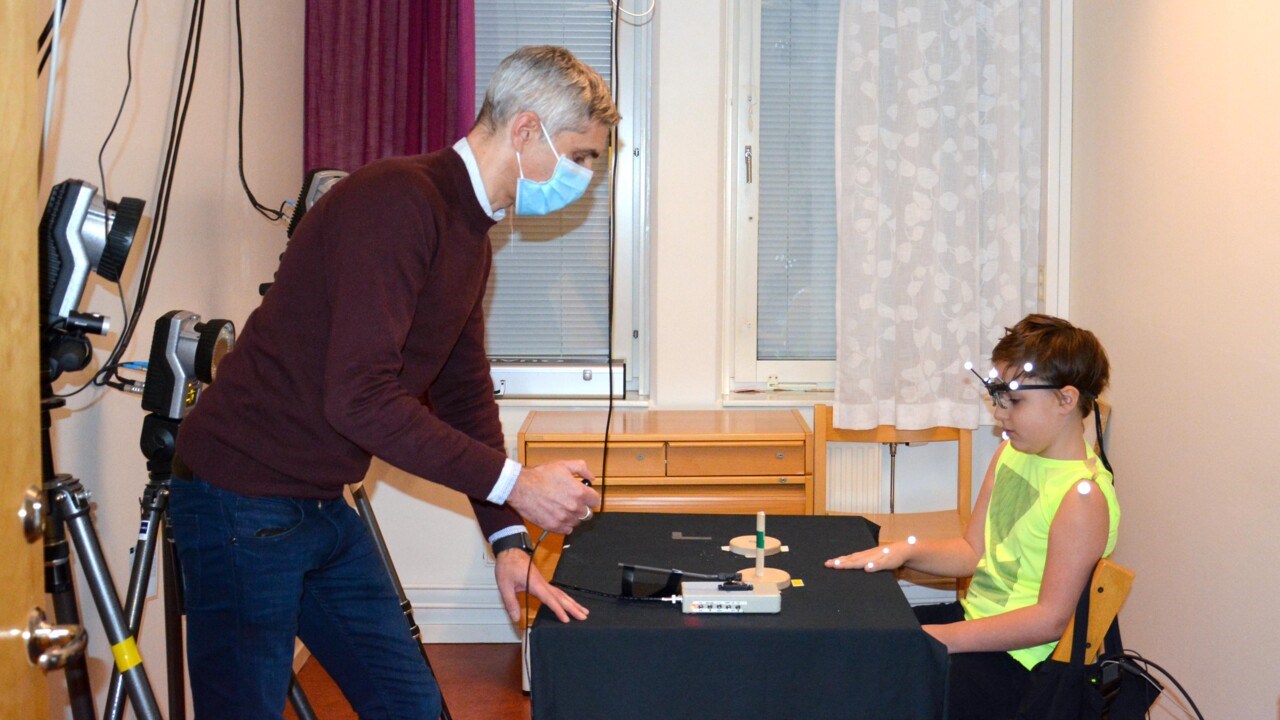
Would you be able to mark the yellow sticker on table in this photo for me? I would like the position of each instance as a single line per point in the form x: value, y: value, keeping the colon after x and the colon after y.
x: 126, y: 653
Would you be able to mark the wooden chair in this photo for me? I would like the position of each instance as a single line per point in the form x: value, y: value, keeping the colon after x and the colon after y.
x: 1108, y: 588
x: 898, y: 526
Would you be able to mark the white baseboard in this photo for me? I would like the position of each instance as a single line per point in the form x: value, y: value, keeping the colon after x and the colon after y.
x: 461, y: 614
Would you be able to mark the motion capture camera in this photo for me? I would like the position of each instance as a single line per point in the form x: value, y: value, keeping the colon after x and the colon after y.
x: 184, y: 357
x: 79, y: 233
x: 317, y: 183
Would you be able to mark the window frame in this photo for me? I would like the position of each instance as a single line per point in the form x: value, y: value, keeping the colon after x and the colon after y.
x: 742, y: 370
x: 742, y: 201
x: 630, y: 200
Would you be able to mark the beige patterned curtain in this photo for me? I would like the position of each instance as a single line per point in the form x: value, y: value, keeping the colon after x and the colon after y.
x: 938, y: 180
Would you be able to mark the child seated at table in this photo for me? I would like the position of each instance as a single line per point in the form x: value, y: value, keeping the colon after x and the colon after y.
x: 1046, y: 513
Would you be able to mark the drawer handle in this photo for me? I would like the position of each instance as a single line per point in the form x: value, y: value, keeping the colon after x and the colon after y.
x: 640, y: 458
x: 782, y: 456
x: 782, y: 480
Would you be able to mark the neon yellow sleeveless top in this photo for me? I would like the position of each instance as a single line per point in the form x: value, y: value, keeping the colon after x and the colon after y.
x: 1027, y: 492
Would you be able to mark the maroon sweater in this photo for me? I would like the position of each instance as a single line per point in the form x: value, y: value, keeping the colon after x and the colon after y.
x: 370, y: 342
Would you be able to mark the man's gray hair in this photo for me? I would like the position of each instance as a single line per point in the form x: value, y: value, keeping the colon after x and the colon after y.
x: 565, y: 92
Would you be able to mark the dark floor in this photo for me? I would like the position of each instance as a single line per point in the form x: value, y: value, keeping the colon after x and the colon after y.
x: 479, y: 682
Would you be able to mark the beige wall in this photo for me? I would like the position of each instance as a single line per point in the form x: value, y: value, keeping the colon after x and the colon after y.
x: 216, y: 248
x: 1175, y: 247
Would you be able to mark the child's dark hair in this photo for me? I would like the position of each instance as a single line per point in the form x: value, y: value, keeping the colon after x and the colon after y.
x: 1062, y: 354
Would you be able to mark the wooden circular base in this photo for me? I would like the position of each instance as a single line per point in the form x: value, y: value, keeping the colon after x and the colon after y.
x: 746, y: 545
x: 780, y: 578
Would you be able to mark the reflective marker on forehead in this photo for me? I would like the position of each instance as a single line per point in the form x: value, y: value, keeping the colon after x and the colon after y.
x: 1084, y: 488
x: 993, y: 373
x: 1013, y: 385
x: 1028, y: 367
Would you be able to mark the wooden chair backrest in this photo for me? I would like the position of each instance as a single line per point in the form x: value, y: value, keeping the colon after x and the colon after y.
x: 1108, y: 588
x: 825, y: 432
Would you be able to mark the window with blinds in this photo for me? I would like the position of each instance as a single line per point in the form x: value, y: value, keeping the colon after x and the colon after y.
x: 795, y: 169
x: 548, y: 295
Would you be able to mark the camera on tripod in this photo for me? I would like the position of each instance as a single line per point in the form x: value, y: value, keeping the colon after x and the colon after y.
x: 80, y: 232
x: 184, y: 357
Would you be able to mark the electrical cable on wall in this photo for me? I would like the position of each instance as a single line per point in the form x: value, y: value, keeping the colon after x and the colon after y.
x: 263, y: 210
x: 108, y: 374
x: 44, y: 35
x: 128, y: 83
x: 56, y: 22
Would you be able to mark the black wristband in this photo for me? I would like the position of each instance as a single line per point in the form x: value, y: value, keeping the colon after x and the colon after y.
x: 516, y: 540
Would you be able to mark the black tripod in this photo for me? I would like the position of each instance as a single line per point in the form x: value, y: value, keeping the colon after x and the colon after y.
x: 69, y: 511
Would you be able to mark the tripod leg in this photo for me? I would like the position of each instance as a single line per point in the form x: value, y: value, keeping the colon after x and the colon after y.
x: 298, y: 699
x: 140, y: 574
x: 58, y: 580
x: 365, y: 508
x: 173, y: 611
x: 59, y: 584
x: 72, y: 507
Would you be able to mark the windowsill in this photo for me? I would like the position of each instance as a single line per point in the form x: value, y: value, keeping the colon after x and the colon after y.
x: 631, y: 402
x: 774, y: 398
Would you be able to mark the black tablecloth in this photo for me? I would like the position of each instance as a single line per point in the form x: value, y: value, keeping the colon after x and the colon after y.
x: 846, y: 644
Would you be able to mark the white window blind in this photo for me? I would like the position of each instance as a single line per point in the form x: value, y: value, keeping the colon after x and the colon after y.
x: 548, y: 292
x: 795, y: 167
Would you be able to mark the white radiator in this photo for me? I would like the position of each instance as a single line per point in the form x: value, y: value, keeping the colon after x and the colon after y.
x: 853, y: 477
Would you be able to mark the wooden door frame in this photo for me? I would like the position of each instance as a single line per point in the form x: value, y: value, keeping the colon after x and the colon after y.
x: 26, y: 688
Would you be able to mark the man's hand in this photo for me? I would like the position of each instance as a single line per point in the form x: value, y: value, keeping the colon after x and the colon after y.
x: 553, y: 496
x: 511, y: 569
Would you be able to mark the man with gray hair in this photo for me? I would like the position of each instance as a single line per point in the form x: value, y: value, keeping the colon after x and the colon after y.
x: 371, y: 343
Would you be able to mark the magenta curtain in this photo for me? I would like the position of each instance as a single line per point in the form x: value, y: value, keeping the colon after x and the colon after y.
x: 386, y: 77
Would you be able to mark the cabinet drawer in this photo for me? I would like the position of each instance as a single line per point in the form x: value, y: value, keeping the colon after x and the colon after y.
x: 629, y: 459
x: 742, y: 458
x: 734, y: 499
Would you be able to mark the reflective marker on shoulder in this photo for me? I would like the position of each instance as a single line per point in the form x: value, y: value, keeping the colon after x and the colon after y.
x: 1084, y: 488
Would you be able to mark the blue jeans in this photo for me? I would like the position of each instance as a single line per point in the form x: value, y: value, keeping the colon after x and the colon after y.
x: 260, y: 571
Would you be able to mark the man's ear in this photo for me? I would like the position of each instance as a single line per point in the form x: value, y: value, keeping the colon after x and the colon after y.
x: 525, y: 127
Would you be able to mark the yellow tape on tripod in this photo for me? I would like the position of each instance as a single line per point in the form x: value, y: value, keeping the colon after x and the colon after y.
x: 127, y: 656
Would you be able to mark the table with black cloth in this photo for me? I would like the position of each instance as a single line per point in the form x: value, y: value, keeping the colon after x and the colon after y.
x: 846, y: 644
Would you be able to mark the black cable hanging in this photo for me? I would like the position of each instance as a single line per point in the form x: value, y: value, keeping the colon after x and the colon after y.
x: 263, y: 210
x: 109, y: 374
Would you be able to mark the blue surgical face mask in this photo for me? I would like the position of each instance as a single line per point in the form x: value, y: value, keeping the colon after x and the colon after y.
x: 567, y: 183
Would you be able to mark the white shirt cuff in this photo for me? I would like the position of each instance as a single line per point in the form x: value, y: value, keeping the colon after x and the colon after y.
x: 504, y: 532
x: 506, y: 482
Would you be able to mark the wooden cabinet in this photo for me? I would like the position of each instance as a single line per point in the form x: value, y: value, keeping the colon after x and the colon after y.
x: 688, y: 461
x: 712, y: 461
